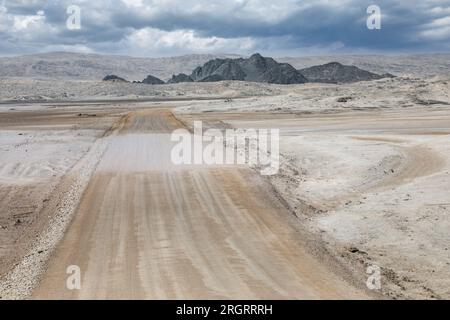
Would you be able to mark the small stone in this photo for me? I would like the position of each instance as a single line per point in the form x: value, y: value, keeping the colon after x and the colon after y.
x: 353, y: 249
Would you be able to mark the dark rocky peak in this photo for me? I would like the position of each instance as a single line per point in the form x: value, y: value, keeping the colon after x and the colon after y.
x: 180, y: 78
x: 152, y: 80
x: 256, y: 68
x: 228, y: 69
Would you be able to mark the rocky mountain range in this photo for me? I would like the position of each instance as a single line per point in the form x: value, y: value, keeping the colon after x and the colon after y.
x: 80, y: 66
x: 266, y: 70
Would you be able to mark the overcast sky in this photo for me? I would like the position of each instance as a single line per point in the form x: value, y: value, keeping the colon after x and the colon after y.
x: 152, y: 28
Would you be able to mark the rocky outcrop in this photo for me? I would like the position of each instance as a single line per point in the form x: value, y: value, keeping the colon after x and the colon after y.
x: 114, y: 78
x: 180, y: 78
x: 152, y: 80
x: 256, y: 69
x: 335, y: 72
x: 219, y: 69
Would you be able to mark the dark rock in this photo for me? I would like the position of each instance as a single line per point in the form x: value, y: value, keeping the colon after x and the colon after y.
x: 214, y: 78
x: 152, y: 80
x: 344, y: 99
x: 180, y: 78
x: 256, y: 69
x: 87, y: 115
x: 218, y: 70
x: 387, y: 75
x: 261, y: 69
x: 334, y: 72
x: 114, y: 78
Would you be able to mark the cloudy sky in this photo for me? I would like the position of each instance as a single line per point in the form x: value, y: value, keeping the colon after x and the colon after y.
x: 153, y: 28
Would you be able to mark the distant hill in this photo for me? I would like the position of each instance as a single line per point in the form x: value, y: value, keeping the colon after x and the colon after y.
x: 256, y: 69
x: 416, y: 65
x: 77, y: 66
x: 335, y: 72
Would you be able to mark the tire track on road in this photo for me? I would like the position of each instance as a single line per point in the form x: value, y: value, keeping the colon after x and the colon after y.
x: 147, y: 229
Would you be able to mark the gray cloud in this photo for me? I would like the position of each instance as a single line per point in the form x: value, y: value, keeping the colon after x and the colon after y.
x: 168, y: 27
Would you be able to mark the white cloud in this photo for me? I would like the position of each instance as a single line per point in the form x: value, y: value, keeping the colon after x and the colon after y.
x: 133, y: 3
x: 438, y: 29
x: 22, y: 23
x: 163, y: 42
x: 22, y: 29
x: 264, y: 11
x: 440, y: 10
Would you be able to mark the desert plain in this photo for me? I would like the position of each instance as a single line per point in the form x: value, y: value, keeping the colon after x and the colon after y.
x: 364, y: 180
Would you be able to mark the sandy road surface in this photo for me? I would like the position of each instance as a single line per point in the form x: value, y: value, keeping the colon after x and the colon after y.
x: 147, y: 229
x: 373, y: 185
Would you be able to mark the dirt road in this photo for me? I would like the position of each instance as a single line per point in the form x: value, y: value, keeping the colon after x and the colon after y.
x: 147, y: 229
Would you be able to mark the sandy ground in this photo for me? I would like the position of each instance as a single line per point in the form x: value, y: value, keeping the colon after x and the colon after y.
x: 364, y: 181
x: 146, y: 229
x: 403, y: 92
x: 18, y: 90
x: 373, y: 185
